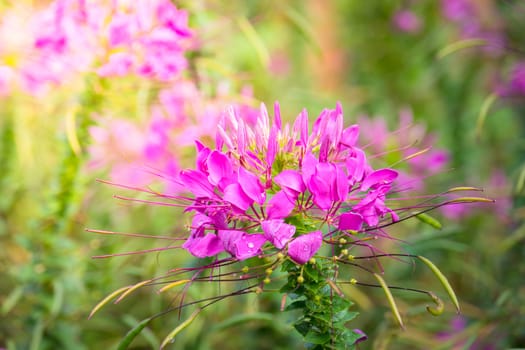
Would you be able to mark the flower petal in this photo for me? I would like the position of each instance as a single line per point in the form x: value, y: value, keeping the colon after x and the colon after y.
x: 350, y: 221
x: 234, y: 194
x: 219, y: 168
x: 304, y: 247
x: 279, y: 206
x: 278, y: 232
x: 379, y: 177
x: 207, y: 245
x: 251, y: 186
x: 291, y: 181
x: 242, y: 245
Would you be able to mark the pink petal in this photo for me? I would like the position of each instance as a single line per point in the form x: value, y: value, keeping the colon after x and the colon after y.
x: 234, y: 194
x: 350, y: 135
x: 251, y: 186
x: 197, y: 183
x: 208, y: 245
x: 277, y: 115
x: 308, y: 168
x: 242, y: 245
x: 350, y: 221
x: 304, y: 247
x: 379, y: 177
x: 278, y: 232
x: 219, y: 168
x: 279, y: 206
x: 290, y: 180
x: 356, y: 166
x: 342, y: 185
x: 272, y: 146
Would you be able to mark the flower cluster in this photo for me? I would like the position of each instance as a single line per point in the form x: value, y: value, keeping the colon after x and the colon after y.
x: 468, y: 15
x: 136, y: 153
x: 263, y: 177
x: 110, y: 38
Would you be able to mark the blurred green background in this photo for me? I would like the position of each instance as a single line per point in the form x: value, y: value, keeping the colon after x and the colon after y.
x: 304, y: 54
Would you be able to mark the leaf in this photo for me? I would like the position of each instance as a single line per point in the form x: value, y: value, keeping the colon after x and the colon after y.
x: 241, y: 319
x: 298, y: 304
x: 443, y: 280
x: 316, y: 337
x: 303, y: 26
x: 12, y: 299
x: 513, y: 239
x: 58, y: 298
x: 71, y: 132
x: 429, y: 220
x: 520, y: 183
x: 169, y: 338
x: 132, y: 334
x: 106, y: 300
x: 460, y: 45
x: 253, y: 37
x: 485, y: 107
x: 390, y: 299
x: 147, y: 334
x: 36, y: 338
x: 302, y: 326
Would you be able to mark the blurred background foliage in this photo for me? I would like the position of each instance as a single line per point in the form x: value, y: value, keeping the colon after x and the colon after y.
x: 304, y: 54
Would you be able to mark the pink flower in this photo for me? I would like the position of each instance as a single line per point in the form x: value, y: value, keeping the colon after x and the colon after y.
x: 407, y: 21
x: 323, y: 171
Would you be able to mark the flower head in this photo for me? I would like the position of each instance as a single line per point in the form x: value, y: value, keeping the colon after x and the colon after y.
x: 263, y: 175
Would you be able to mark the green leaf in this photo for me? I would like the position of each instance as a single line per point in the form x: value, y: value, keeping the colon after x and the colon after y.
x: 12, y: 299
x: 485, y: 107
x: 460, y: 45
x: 302, y: 326
x: 299, y: 304
x: 317, y: 338
x: 58, y: 298
x: 132, y: 334
x: 241, y: 319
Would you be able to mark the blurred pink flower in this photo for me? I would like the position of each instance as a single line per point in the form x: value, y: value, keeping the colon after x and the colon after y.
x: 497, y: 187
x: 457, y: 10
x: 181, y: 115
x: 515, y: 84
x: 68, y: 38
x: 407, y: 21
x: 409, y: 138
x: 468, y: 17
x: 119, y: 143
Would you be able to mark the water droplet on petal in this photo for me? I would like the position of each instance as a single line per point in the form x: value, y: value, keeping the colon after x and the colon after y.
x: 250, y: 245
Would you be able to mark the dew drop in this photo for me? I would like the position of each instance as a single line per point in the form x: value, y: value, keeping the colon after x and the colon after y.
x: 250, y: 245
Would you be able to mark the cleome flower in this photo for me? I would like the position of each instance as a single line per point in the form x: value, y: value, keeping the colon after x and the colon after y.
x: 264, y: 175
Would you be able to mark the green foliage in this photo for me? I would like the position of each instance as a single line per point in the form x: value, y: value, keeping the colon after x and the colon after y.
x: 324, y: 313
